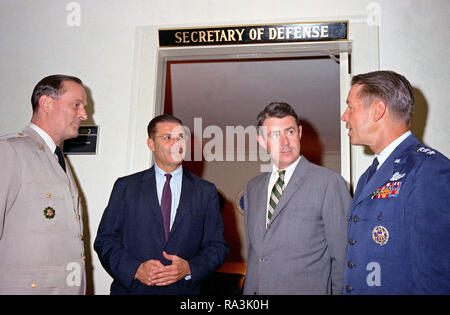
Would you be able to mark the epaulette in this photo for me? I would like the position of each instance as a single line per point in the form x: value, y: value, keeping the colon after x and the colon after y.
x: 13, y: 135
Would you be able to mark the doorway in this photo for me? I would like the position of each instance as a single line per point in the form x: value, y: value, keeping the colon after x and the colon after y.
x: 358, y: 54
x: 219, y: 99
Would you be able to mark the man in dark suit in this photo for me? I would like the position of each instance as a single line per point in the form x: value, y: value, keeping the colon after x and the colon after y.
x: 295, y: 216
x: 162, y: 231
x: 400, y: 215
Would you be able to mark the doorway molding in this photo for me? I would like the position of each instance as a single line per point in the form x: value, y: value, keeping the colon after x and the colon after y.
x: 358, y: 54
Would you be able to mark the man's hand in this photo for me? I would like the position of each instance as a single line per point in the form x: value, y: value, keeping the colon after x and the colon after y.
x: 172, y: 273
x: 145, y: 270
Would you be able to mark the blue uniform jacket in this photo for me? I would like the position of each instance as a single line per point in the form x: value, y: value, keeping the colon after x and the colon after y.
x: 131, y: 232
x: 399, y: 225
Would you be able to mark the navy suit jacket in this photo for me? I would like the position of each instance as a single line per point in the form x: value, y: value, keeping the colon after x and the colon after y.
x: 399, y: 225
x: 131, y: 232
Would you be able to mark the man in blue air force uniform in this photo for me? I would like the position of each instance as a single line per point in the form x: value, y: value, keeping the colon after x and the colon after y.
x: 399, y: 221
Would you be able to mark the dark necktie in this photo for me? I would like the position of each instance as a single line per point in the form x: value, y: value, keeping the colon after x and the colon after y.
x: 166, y: 205
x: 372, y: 169
x: 60, y: 158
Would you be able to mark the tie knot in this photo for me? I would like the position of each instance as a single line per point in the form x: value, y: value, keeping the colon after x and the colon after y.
x: 375, y: 162
x: 281, y: 174
x: 372, y: 169
x: 168, y: 177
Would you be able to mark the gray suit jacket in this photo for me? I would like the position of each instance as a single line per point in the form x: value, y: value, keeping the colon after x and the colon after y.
x: 38, y: 254
x: 303, y: 250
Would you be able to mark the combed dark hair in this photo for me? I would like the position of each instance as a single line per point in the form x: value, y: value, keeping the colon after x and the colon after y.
x: 151, y: 128
x: 51, y: 86
x: 278, y: 110
x: 389, y: 86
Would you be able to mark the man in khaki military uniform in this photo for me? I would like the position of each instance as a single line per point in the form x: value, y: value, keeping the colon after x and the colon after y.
x: 41, y: 242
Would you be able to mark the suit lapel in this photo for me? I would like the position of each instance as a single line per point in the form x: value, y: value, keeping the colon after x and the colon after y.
x: 384, y: 173
x: 260, y: 211
x: 150, y: 200
x: 186, y: 197
x: 296, y: 181
x: 378, y: 179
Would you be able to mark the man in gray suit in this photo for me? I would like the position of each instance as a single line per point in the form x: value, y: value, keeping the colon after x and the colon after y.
x: 295, y: 216
x: 41, y: 240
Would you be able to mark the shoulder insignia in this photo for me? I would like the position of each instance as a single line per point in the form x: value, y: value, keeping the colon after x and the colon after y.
x: 13, y: 135
x: 426, y: 150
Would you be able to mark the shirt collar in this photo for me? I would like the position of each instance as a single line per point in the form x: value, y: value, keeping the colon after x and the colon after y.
x: 289, y: 170
x: 48, y: 140
x: 161, y: 173
x: 390, y: 148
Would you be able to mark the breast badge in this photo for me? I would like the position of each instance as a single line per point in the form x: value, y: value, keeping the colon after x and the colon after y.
x: 49, y: 213
x: 397, y: 176
x: 380, y: 235
x: 391, y: 189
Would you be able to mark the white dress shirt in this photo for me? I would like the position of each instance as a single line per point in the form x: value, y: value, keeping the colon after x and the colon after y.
x: 48, y: 140
x: 390, y: 148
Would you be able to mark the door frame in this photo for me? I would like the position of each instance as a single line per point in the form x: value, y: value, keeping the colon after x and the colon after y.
x: 358, y: 54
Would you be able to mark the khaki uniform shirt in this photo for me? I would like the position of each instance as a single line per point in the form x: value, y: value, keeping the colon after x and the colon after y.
x: 41, y: 230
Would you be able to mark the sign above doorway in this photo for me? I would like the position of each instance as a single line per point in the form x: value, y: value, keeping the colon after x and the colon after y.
x: 254, y: 34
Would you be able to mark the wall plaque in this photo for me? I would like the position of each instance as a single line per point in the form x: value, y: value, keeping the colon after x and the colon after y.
x: 84, y: 143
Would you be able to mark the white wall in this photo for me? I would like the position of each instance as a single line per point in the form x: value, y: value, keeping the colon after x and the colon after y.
x: 36, y: 41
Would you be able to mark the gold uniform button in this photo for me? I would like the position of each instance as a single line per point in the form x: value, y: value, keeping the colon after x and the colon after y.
x: 34, y: 285
x: 41, y: 146
x: 20, y: 134
x: 48, y: 195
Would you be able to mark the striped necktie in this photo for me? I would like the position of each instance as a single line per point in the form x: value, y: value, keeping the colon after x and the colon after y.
x: 275, y: 196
